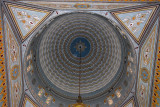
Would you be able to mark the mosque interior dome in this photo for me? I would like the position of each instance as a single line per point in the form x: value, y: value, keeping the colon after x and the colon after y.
x: 79, y: 53
x: 106, y: 58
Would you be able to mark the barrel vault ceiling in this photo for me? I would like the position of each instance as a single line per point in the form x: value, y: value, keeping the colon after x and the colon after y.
x: 21, y: 20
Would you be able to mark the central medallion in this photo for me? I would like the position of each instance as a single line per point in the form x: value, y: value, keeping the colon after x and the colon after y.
x: 80, y: 43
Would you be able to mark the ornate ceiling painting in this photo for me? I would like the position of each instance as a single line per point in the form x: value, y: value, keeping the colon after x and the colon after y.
x: 88, y: 5
x: 113, y: 46
x: 3, y: 79
x: 156, y: 84
x: 14, y: 64
x: 59, y: 73
x: 27, y: 19
x: 146, y: 67
x: 136, y: 20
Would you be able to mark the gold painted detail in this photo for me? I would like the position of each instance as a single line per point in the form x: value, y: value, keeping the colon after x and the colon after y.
x: 129, y: 103
x: 27, y: 21
x: 79, y: 105
x: 80, y: 46
x: 15, y: 72
x: 156, y: 85
x: 146, y: 68
x: 134, y: 23
x: 42, y: 93
x: 72, y: 5
x: 145, y: 76
x: 27, y: 99
x: 3, y: 80
x: 80, y: 5
x: 14, y: 67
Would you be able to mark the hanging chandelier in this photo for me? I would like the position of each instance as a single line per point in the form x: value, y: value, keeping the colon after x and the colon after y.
x: 79, y: 103
x: 79, y: 100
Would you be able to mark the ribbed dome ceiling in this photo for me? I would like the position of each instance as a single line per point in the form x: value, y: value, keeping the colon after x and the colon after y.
x: 57, y: 59
x: 59, y: 54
